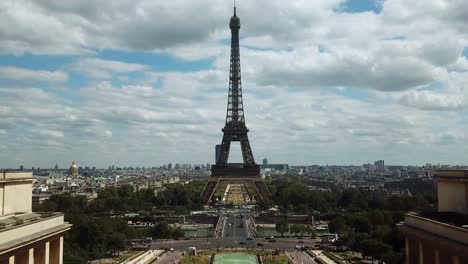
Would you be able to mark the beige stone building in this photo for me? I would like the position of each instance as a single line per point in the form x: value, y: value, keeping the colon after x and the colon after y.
x: 441, y: 237
x: 27, y: 237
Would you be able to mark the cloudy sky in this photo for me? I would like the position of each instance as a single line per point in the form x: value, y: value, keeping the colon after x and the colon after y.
x: 144, y: 82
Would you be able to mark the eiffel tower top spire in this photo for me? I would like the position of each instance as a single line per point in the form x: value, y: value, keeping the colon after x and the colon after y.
x: 235, y: 108
x: 235, y: 21
x: 234, y: 7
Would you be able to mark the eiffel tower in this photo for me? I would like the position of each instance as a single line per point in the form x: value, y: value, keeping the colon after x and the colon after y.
x: 246, y: 174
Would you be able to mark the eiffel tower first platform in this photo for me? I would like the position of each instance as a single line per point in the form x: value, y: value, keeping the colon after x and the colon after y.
x: 246, y: 174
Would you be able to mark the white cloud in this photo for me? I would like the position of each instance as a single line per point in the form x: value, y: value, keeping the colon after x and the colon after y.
x: 27, y: 75
x: 105, y: 69
x: 427, y: 100
x: 320, y: 85
x: 50, y: 133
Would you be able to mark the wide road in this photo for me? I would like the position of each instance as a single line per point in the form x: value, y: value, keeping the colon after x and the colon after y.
x: 235, y: 227
x: 238, y: 242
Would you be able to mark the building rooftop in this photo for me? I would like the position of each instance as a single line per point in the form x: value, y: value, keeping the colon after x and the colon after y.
x: 21, y: 228
x: 450, y: 218
x: 460, y: 173
x: 12, y: 221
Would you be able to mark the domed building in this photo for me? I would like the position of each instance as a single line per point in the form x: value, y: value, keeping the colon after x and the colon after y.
x: 73, y: 171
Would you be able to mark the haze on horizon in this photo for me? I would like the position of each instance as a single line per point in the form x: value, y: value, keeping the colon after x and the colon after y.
x: 143, y: 83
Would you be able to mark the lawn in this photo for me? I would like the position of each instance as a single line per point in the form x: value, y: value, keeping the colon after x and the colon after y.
x: 202, y: 259
x: 280, y: 259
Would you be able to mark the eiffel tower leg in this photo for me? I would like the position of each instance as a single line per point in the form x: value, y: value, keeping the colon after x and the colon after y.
x: 246, y: 150
x: 224, y: 152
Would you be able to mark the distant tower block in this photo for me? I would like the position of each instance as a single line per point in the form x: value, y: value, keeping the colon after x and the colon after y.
x: 246, y: 174
x: 217, y: 150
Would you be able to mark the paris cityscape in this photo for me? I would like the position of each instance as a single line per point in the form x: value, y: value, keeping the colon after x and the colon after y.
x: 193, y: 132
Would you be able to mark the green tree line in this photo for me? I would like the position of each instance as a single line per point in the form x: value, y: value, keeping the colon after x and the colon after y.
x: 365, y: 220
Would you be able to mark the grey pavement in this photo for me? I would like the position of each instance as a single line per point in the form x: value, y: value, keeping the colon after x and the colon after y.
x: 169, y: 258
x: 300, y: 257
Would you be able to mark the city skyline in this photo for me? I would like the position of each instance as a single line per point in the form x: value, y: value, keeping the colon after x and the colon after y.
x: 328, y: 82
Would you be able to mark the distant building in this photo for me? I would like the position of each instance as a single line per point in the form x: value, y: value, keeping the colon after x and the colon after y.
x: 27, y: 237
x: 21, y: 168
x: 442, y: 236
x: 73, y: 171
x: 379, y: 165
x: 169, y: 166
x: 265, y: 161
x: 56, y: 166
x: 413, y: 185
x: 275, y: 166
x: 217, y: 150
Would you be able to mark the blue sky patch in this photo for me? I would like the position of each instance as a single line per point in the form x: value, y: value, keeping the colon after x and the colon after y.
x: 357, y: 6
x: 35, y: 62
x: 349, y: 92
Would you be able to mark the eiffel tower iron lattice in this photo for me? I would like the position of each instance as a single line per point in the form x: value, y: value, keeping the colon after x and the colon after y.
x: 235, y: 130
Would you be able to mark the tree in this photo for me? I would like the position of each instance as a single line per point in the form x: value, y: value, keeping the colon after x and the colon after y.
x: 295, y: 229
x: 178, y: 233
x: 162, y: 230
x: 282, y: 227
x: 310, y: 231
x: 298, y: 228
x: 116, y: 243
x: 338, y: 225
x: 375, y: 249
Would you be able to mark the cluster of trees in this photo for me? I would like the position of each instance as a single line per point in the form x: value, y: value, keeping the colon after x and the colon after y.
x: 181, y: 198
x: 283, y: 227
x: 374, y: 233
x: 365, y: 220
x: 292, y: 195
x: 96, y: 235
x: 91, y: 237
x: 164, y: 230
